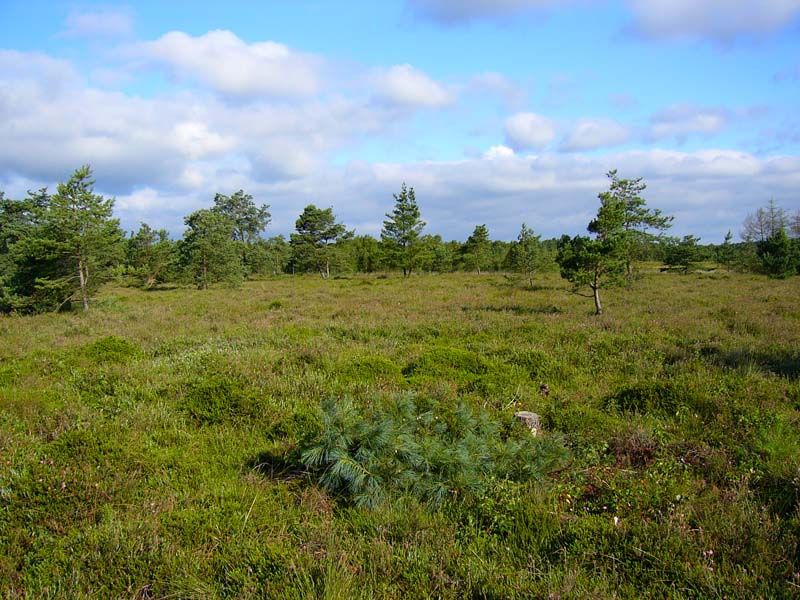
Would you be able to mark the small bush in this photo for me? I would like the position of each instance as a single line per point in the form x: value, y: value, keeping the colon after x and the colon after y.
x: 442, y: 361
x: 371, y: 368
x: 399, y: 446
x: 217, y: 398
x: 112, y: 349
x: 664, y: 397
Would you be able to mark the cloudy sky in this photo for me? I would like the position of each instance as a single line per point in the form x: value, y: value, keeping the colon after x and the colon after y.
x: 495, y: 111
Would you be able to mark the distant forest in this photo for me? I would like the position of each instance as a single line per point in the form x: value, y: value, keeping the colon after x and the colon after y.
x: 57, y: 249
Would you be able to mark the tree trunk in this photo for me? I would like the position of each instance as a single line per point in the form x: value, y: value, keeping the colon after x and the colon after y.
x: 82, y: 277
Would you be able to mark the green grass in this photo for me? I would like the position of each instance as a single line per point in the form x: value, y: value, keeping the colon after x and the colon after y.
x: 152, y: 448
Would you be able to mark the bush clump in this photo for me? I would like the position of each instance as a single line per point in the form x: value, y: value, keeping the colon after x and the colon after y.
x: 444, y: 361
x: 112, y: 349
x: 218, y: 398
x: 400, y: 446
x: 663, y: 397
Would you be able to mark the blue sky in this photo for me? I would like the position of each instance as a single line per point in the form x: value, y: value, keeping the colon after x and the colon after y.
x: 497, y: 112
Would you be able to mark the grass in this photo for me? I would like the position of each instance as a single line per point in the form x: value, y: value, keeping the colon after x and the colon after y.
x: 151, y: 448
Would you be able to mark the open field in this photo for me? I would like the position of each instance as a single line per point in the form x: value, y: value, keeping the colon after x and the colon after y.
x: 150, y: 448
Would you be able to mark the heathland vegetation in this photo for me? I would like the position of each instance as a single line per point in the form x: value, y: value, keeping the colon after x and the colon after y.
x: 214, y: 426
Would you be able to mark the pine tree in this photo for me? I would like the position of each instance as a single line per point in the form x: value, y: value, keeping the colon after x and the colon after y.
x: 248, y: 219
x: 726, y: 251
x: 151, y: 255
x: 777, y: 255
x: 682, y: 253
x: 637, y: 220
x: 600, y: 261
x: 401, y: 231
x: 208, y: 249
x: 528, y: 253
x: 71, y: 244
x: 475, y: 251
x: 314, y: 243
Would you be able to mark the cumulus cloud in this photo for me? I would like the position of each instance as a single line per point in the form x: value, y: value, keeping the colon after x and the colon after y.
x: 590, y: 134
x: 51, y: 122
x: 450, y: 12
x: 721, y: 20
x: 114, y: 23
x: 167, y: 155
x: 529, y: 130
x: 404, y: 85
x: 498, y: 152
x: 221, y: 60
x: 679, y: 121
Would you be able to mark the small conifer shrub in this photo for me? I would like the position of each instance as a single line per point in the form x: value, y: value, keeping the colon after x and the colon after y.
x: 401, y: 446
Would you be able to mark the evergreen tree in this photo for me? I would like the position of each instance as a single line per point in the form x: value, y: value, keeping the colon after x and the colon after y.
x: 151, y: 255
x: 777, y: 255
x: 726, y: 253
x: 208, y: 250
x: 17, y: 221
x: 313, y: 246
x: 600, y: 261
x: 70, y: 245
x: 683, y: 253
x: 528, y: 255
x: 270, y: 256
x: 248, y: 219
x: 638, y: 219
x: 401, y: 231
x: 366, y: 253
x: 475, y: 252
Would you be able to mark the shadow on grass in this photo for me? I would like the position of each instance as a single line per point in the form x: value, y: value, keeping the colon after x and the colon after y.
x: 784, y: 364
x: 285, y: 466
x: 516, y: 309
x: 162, y: 288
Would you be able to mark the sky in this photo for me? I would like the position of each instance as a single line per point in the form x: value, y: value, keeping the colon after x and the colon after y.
x: 496, y: 112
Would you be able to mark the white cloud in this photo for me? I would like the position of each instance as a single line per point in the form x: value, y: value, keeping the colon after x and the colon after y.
x: 224, y: 62
x: 101, y: 23
x: 679, y: 121
x: 529, y: 130
x: 405, y: 85
x: 722, y: 20
x: 498, y: 152
x: 195, y: 140
x: 166, y: 156
x: 589, y: 134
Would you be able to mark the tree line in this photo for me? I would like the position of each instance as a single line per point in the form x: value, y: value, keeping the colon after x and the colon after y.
x: 56, y: 249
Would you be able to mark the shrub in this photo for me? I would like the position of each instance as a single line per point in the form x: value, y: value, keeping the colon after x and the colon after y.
x: 217, y: 398
x: 399, y: 446
x: 112, y: 349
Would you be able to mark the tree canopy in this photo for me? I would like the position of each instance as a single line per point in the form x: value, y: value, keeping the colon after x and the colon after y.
x: 317, y: 231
